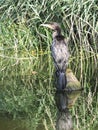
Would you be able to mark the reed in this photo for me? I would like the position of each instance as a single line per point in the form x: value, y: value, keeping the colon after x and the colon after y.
x: 27, y: 72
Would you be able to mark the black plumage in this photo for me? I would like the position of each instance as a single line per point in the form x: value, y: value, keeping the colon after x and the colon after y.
x: 60, y: 54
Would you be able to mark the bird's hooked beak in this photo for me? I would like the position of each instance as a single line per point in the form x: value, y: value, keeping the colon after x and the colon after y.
x: 48, y: 26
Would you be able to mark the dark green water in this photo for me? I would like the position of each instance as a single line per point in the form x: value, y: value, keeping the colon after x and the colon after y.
x: 10, y: 124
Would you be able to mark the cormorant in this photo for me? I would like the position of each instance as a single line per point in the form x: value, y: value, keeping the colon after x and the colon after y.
x: 60, y: 54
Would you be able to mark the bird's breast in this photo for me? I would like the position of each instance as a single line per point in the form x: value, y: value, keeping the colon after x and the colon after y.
x: 60, y: 54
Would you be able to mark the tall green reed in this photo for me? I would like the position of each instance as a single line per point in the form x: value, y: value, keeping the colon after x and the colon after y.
x: 26, y: 63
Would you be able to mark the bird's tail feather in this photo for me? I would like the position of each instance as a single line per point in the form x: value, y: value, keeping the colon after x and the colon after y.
x: 61, y: 84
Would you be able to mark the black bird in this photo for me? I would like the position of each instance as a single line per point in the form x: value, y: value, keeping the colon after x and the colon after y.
x: 60, y: 54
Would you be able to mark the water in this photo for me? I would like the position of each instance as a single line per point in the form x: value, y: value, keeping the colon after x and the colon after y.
x: 10, y: 124
x: 23, y: 93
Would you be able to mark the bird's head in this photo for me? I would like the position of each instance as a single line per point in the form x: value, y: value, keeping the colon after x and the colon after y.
x: 55, y: 27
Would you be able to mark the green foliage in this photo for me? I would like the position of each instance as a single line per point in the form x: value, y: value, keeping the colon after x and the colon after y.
x: 26, y: 67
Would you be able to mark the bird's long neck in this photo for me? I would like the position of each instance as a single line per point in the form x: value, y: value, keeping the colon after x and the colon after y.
x: 58, y: 35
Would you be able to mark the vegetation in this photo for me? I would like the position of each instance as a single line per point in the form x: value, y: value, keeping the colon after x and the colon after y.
x: 27, y: 84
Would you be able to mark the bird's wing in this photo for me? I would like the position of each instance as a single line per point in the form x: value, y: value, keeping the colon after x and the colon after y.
x: 53, y: 55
